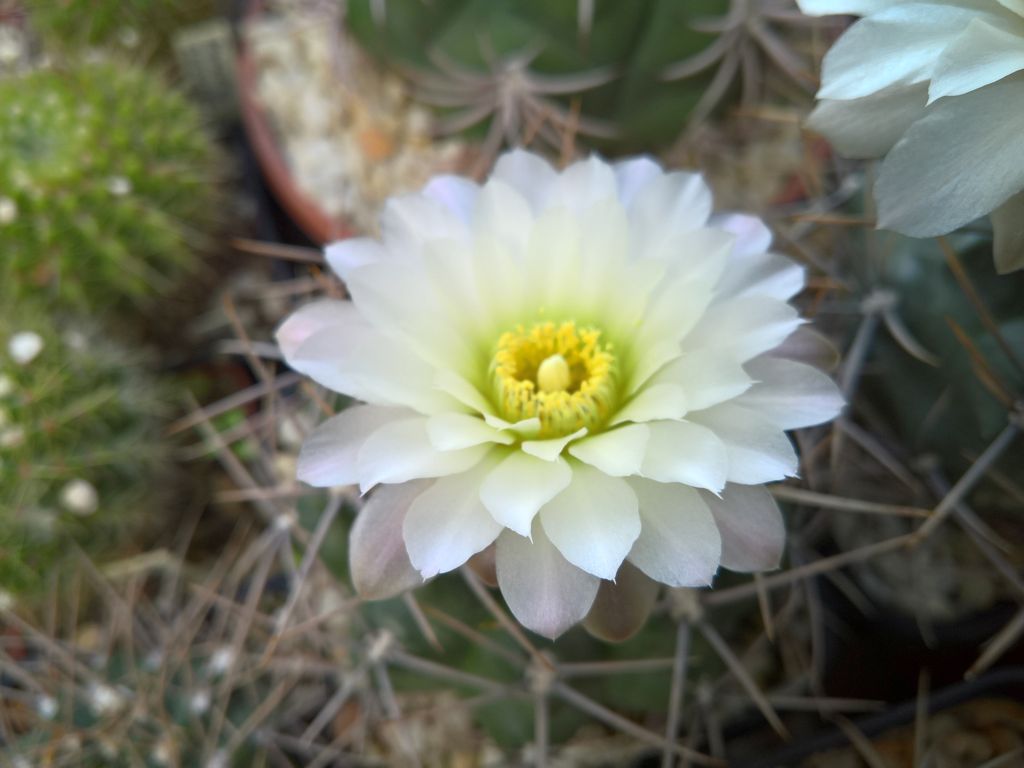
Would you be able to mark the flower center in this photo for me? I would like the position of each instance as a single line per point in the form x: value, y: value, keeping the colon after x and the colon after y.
x: 559, y: 373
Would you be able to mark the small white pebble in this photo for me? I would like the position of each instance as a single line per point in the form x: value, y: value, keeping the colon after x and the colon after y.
x: 200, y: 702
x: 220, y: 660
x: 119, y: 186
x: 8, y: 210
x: 103, y: 699
x: 162, y: 753
x: 24, y: 347
x: 79, y: 497
x: 46, y: 706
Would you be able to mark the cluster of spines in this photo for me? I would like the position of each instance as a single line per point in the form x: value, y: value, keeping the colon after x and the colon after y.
x: 107, y: 185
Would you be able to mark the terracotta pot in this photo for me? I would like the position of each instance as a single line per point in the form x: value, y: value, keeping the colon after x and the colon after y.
x: 317, y: 224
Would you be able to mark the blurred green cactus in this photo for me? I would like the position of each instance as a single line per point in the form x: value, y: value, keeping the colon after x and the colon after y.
x: 955, y: 406
x: 79, y: 441
x: 129, y: 24
x: 519, y: 66
x: 107, y: 184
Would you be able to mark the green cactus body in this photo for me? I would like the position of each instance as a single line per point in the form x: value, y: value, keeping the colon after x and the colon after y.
x: 952, y: 408
x: 634, y: 42
x: 145, y: 24
x: 106, y: 184
x: 79, y: 442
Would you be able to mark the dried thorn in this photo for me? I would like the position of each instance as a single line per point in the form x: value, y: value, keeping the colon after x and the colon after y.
x: 1003, y: 761
x: 970, y: 478
x: 998, y: 645
x: 568, y: 148
x: 899, y: 331
x: 456, y: 676
x: 265, y: 494
x: 957, y: 268
x: 541, y: 728
x: 278, y: 250
x: 620, y: 723
x: 823, y: 704
x: 698, y: 62
x: 860, y: 743
x: 309, y: 557
x: 334, y: 705
x: 258, y: 715
x: 726, y: 596
x: 570, y: 669
x: 473, y: 636
x: 481, y: 593
x: 877, y: 451
x: 982, y: 369
x: 726, y: 655
x: 265, y: 350
x: 834, y: 219
x: 921, y: 716
x: 765, y: 607
x: 413, y: 606
x: 677, y: 692
x: 840, y: 503
x: 232, y: 401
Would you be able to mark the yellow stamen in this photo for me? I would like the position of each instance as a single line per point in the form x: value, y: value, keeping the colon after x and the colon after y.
x: 559, y: 373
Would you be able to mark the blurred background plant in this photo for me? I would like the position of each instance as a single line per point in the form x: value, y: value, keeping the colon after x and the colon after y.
x: 109, y: 185
x: 628, y: 75
x: 80, y: 443
x: 367, y: 98
x: 143, y: 28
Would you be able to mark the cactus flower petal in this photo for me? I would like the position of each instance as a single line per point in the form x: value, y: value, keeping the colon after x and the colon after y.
x: 544, y: 591
x: 908, y: 82
x: 751, y: 525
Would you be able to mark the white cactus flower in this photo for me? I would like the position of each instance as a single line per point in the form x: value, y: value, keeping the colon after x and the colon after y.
x: 937, y: 88
x: 582, y: 368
